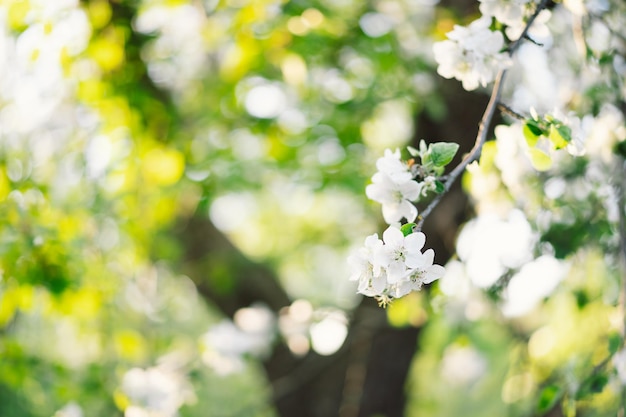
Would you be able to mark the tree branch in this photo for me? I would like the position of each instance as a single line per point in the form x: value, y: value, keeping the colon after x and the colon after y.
x: 483, y: 128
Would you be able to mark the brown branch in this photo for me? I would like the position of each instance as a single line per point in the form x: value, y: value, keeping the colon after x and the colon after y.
x: 509, y: 111
x: 483, y: 128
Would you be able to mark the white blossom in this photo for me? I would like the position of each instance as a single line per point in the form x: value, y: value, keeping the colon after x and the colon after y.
x: 70, y: 409
x: 400, y: 254
x: 509, y: 12
x: 394, y: 188
x: 393, y: 267
x: 513, y: 14
x: 156, y: 391
x: 372, y: 280
x: 471, y: 54
x: 429, y: 184
x: 619, y: 362
x: 607, y: 130
x: 583, y: 7
x: 391, y: 165
x: 534, y: 281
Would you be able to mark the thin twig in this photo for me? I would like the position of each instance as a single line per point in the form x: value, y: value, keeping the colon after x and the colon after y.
x: 483, y: 128
x: 507, y: 110
x: 474, y: 153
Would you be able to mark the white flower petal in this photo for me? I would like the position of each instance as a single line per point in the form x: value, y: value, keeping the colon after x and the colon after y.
x: 433, y: 273
x: 415, y: 241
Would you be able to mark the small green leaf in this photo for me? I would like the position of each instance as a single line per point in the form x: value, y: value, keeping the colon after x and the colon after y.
x: 594, y: 384
x: 534, y: 127
x: 439, y: 187
x: 531, y: 132
x: 548, y: 397
x: 582, y: 298
x: 438, y: 171
x: 540, y: 160
x: 606, y: 58
x: 598, y: 382
x: 615, y: 342
x: 407, y: 229
x: 423, y: 148
x: 442, y: 153
x: 414, y: 152
x: 560, y: 135
x: 620, y: 149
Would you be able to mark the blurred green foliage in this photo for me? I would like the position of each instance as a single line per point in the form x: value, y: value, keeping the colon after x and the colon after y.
x: 122, y: 120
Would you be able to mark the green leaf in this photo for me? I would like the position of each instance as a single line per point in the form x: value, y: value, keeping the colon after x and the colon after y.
x: 442, y: 153
x: 439, y: 187
x: 540, y: 160
x: 438, y: 171
x: 560, y: 135
x: 531, y: 131
x: 407, y: 229
x: 620, y: 149
x: 582, y: 299
x: 414, y: 152
x: 615, y: 342
x: 423, y: 148
x: 534, y: 127
x: 594, y: 384
x: 606, y: 58
x: 548, y: 397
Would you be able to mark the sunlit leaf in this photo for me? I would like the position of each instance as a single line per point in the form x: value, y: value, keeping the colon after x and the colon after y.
x: 407, y: 228
x: 548, y: 398
x: 531, y: 131
x: 442, y: 153
x: 615, y: 342
x: 560, y: 135
x: 540, y: 160
x: 163, y: 166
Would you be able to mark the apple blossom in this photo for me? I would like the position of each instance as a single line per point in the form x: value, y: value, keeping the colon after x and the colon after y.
x: 393, y: 267
x: 393, y: 186
x: 471, y: 54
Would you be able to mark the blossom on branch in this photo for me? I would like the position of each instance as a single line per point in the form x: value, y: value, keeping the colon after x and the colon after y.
x: 472, y: 55
x: 393, y: 267
x: 393, y: 187
x: 514, y: 15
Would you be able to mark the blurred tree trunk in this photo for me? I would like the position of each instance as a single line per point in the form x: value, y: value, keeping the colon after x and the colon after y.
x: 367, y: 375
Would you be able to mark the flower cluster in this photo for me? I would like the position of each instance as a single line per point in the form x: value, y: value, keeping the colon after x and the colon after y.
x: 399, y: 184
x: 393, y: 187
x: 394, y: 266
x: 471, y: 54
x: 155, y: 392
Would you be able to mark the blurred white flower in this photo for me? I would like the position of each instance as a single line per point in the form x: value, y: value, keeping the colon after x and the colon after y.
x: 619, y: 362
x: 534, y: 281
x: 71, y: 409
x: 607, y: 130
x: 509, y: 12
x: 154, y: 392
x: 488, y: 245
x: 228, y: 342
x: 462, y: 365
x: 471, y: 54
